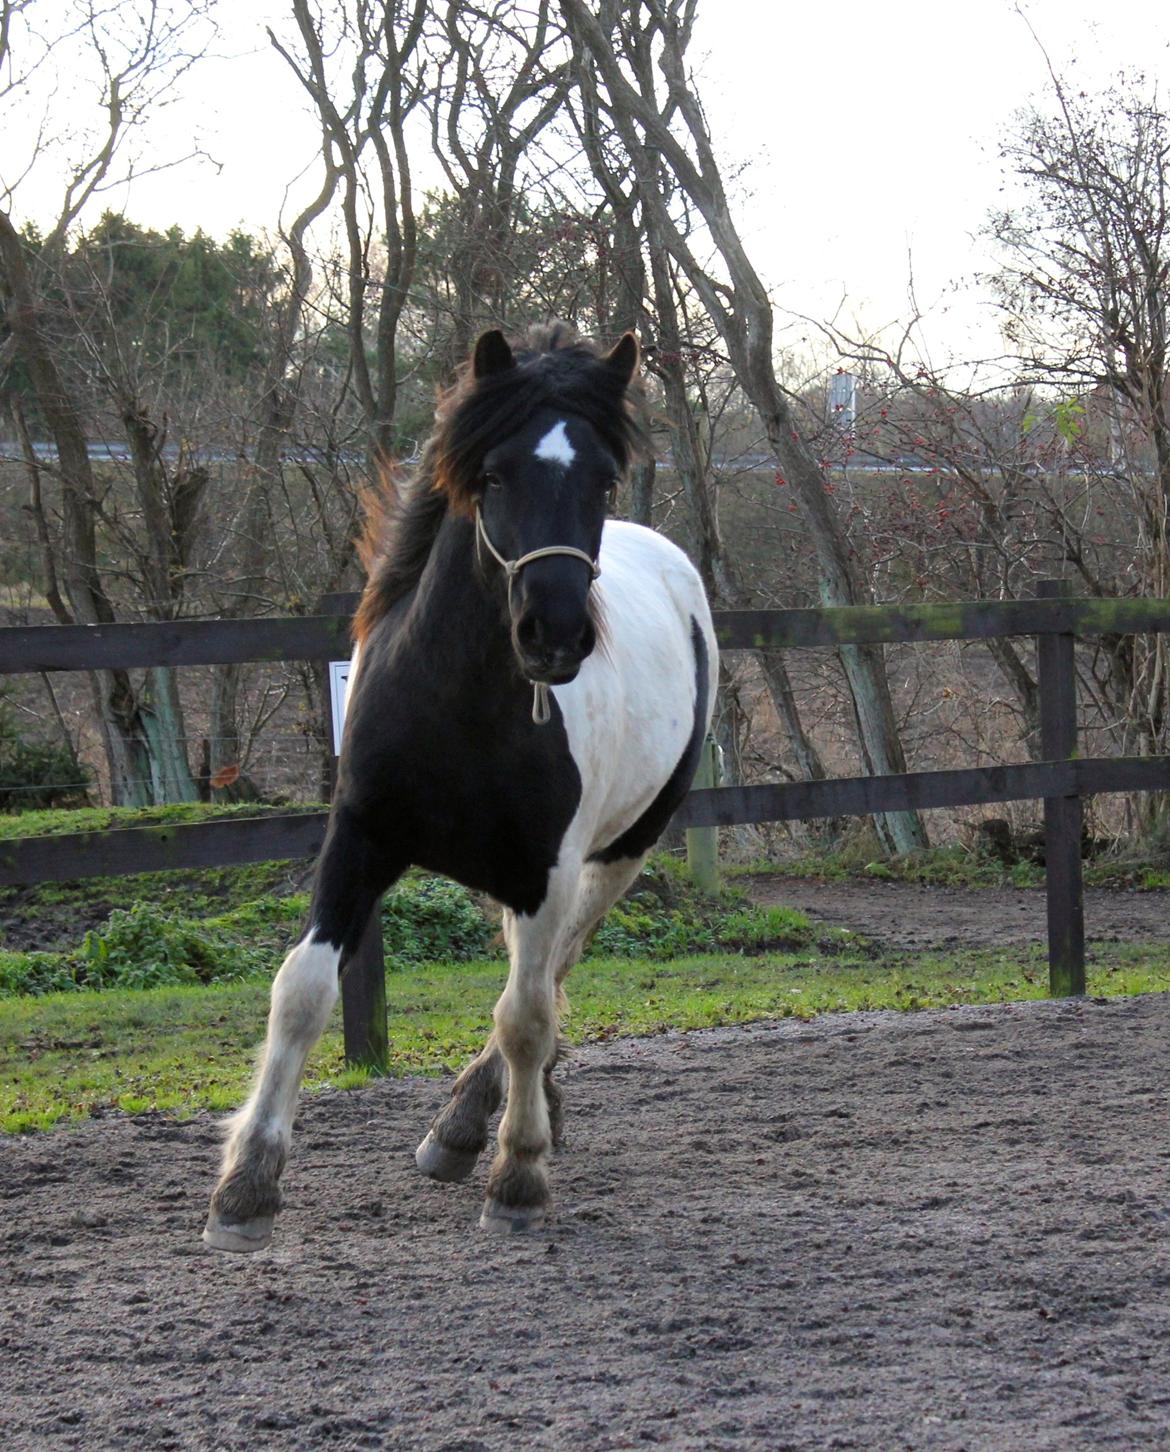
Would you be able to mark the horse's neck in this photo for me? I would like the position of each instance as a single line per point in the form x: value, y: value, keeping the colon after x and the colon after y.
x: 454, y: 610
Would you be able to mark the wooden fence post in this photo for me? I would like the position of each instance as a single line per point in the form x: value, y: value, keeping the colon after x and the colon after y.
x: 1063, y: 816
x: 703, y: 842
x: 363, y: 1000
x: 363, y: 982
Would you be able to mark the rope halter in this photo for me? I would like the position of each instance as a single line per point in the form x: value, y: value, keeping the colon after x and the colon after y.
x: 541, y: 709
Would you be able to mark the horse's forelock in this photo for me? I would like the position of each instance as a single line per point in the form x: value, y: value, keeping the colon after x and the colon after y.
x: 554, y: 370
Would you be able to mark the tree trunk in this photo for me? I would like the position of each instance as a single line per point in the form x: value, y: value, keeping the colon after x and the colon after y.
x: 115, y: 704
x: 164, y: 735
x: 650, y: 39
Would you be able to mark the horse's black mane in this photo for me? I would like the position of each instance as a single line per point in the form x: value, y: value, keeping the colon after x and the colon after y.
x: 554, y: 369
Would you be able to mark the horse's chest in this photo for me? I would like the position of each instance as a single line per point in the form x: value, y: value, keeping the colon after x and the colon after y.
x: 490, y: 813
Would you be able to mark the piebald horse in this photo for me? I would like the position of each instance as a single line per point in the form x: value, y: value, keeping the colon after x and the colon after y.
x: 532, y: 689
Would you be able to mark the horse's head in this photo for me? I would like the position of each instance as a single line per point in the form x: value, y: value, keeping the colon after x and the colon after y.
x: 543, y: 484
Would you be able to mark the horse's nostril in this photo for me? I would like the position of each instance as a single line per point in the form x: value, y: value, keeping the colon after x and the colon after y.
x: 529, y: 633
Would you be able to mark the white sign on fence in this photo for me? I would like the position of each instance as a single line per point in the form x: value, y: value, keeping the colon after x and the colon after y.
x: 338, y: 694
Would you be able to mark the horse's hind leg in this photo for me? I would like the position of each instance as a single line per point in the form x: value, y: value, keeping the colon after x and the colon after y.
x: 247, y: 1197
x: 459, y: 1133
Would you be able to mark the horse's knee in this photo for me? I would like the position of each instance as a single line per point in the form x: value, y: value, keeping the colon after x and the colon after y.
x: 526, y: 1027
x: 305, y: 990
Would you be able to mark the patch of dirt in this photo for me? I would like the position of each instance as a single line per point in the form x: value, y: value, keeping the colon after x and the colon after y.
x: 905, y: 916
x: 55, y: 918
x: 943, y: 1230
x: 31, y: 926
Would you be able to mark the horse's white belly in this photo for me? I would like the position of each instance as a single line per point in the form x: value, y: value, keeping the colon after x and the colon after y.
x: 631, y: 710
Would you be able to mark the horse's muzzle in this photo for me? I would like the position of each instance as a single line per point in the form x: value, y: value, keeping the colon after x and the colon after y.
x: 552, y: 657
x: 550, y: 668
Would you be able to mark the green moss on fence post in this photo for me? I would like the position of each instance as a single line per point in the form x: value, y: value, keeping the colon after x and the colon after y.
x: 703, y: 842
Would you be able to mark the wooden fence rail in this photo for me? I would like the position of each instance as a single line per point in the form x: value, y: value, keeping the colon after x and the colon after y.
x: 1062, y: 780
x: 29, y: 648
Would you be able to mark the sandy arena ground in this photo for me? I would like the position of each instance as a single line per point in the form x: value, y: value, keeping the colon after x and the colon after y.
x: 943, y: 1230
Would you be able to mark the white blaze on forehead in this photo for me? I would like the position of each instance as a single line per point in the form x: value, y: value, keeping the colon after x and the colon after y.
x: 555, y: 446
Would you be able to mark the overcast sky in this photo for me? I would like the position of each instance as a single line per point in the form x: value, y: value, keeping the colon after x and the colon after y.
x: 867, y: 134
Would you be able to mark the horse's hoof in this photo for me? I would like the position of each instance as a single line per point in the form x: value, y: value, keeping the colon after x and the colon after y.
x: 504, y: 1219
x: 434, y: 1159
x: 243, y: 1237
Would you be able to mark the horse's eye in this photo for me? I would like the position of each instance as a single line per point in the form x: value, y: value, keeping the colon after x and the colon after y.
x: 490, y: 480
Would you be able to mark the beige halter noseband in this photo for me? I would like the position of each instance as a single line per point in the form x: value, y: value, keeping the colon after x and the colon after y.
x: 541, y: 710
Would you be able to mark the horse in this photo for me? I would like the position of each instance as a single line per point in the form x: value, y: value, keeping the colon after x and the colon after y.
x: 531, y: 688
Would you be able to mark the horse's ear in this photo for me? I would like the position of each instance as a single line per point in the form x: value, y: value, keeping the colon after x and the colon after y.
x: 623, y: 359
x: 492, y: 355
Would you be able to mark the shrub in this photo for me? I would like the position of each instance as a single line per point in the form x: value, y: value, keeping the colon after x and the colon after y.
x: 35, y: 973
x: 142, y: 948
x: 432, y: 920
x: 36, y: 774
x: 424, y: 919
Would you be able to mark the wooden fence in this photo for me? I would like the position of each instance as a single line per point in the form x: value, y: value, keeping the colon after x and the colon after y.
x: 1062, y: 779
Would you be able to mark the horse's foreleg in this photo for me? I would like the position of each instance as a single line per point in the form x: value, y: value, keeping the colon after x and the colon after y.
x: 526, y: 1032
x: 602, y: 883
x: 247, y: 1196
x: 459, y: 1132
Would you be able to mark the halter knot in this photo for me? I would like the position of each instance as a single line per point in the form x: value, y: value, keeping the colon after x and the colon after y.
x: 541, y: 709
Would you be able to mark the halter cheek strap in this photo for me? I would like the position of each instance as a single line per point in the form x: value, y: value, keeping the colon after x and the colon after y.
x: 541, y: 709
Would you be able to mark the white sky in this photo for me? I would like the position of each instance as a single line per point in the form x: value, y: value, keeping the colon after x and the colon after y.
x: 866, y: 133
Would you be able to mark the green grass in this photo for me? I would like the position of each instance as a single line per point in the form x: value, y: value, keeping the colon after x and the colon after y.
x: 55, y: 821
x: 183, y: 961
x: 938, y: 866
x: 68, y: 1056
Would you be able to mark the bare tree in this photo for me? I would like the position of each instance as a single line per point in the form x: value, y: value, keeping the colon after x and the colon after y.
x: 136, y: 56
x: 1085, y: 294
x: 501, y: 79
x: 638, y: 51
x: 364, y: 66
x: 1055, y: 460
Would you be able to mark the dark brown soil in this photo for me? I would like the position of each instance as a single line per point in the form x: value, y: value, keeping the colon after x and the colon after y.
x: 940, y: 1231
x: 901, y: 915
x: 56, y: 919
